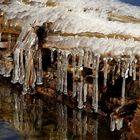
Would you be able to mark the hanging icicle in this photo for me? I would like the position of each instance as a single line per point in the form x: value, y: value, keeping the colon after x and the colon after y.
x: 125, y: 70
x: 22, y: 69
x: 118, y: 73
x: 85, y: 92
x: 15, y: 75
x: 9, y: 41
x: 112, y: 123
x: 105, y: 71
x: 52, y: 54
x: 58, y: 70
x: 39, y: 78
x: 65, y: 67
x: 119, y: 123
x: 134, y: 69
x: 113, y: 74
x: 74, y: 72
x: 95, y: 82
x: 86, y: 57
x: 62, y: 69
x: 0, y: 36
x: 80, y: 84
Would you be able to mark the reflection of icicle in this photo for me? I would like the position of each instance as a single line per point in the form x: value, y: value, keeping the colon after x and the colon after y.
x: 65, y: 121
x: 105, y: 71
x: 62, y: 121
x: 95, y: 132
x: 79, y: 123
x: 84, y: 127
x: 74, y: 122
x: 39, y: 80
x: 95, y: 83
x: 16, y: 114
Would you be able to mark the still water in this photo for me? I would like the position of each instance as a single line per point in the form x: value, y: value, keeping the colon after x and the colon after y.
x: 31, y: 118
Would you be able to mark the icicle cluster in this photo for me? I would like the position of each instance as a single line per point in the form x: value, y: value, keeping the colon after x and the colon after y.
x: 81, y: 58
x: 26, y: 56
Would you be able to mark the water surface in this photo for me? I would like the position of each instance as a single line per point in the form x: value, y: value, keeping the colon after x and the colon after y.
x: 31, y: 118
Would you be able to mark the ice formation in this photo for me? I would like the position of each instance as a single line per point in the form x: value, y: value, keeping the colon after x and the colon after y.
x: 89, y: 31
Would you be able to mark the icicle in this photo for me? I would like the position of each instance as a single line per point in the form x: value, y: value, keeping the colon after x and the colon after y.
x: 139, y: 72
x: 59, y: 69
x: 39, y: 80
x: 119, y: 67
x: 105, y: 71
x: 22, y: 70
x: 9, y: 41
x: 65, y: 61
x: 85, y: 58
x: 112, y: 123
x: 89, y: 62
x: 74, y: 67
x: 80, y: 84
x: 52, y: 54
x: 123, y: 91
x: 0, y: 36
x: 119, y: 123
x: 28, y: 69
x: 125, y: 71
x: 85, y: 92
x: 15, y: 77
x: 113, y: 74
x: 134, y: 69
x: 131, y: 67
x: 62, y: 69
x: 95, y: 82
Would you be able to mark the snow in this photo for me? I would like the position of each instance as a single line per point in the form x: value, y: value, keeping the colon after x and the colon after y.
x: 76, y: 16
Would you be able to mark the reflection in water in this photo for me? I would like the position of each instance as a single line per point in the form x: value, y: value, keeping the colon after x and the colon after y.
x: 46, y: 120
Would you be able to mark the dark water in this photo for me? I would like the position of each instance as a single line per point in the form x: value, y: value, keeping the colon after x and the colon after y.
x: 132, y: 2
x: 31, y: 118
